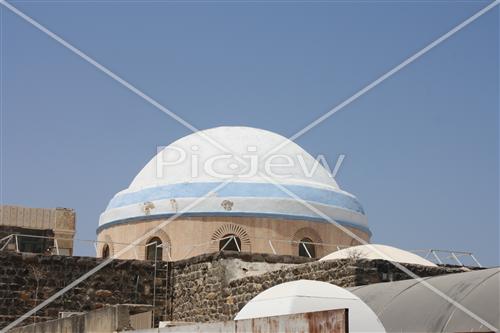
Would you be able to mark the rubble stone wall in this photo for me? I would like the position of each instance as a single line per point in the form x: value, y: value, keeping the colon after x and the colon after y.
x: 211, y: 287
x: 202, y: 292
x: 27, y: 280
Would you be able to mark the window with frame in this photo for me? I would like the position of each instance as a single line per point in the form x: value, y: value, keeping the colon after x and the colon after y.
x: 154, y: 249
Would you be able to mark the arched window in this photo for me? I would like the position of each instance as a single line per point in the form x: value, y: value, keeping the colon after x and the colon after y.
x: 105, y: 251
x: 230, y: 244
x: 154, y: 250
x: 306, y: 248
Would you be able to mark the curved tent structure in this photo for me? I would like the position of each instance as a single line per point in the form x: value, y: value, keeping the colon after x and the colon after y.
x: 410, y: 306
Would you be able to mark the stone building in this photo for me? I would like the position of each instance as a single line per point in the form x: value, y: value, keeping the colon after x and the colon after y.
x: 37, y: 230
x: 186, y: 182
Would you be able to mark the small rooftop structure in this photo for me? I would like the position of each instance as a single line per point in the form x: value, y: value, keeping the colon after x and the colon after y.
x: 37, y: 230
x: 378, y: 251
x: 309, y: 296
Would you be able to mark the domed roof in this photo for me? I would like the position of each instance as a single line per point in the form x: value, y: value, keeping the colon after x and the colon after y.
x: 197, y: 149
x: 309, y: 296
x: 193, y: 166
x: 378, y: 251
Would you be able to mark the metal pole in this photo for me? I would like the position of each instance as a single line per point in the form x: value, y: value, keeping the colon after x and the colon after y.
x: 154, y: 288
x: 5, y: 238
x: 237, y: 245
x: 427, y: 255
x: 436, y: 256
x: 7, y: 241
x: 477, y: 262
x: 166, y: 290
x: 305, y: 247
x: 456, y: 258
x: 272, y: 247
x: 228, y: 241
x: 57, y: 246
x: 17, y: 244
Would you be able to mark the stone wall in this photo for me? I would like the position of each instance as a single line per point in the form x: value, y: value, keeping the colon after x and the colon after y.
x: 205, y: 290
x: 212, y: 287
x: 199, y: 286
x: 27, y: 280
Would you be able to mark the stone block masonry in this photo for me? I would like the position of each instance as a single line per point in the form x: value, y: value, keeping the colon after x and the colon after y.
x: 27, y: 280
x: 211, y: 287
x: 212, y: 291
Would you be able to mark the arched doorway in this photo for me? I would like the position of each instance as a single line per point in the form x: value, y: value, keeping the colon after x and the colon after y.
x: 307, y: 248
x: 230, y: 242
x: 154, y: 250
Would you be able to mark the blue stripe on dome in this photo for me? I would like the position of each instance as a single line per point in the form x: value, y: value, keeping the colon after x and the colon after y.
x: 233, y: 214
x: 259, y: 190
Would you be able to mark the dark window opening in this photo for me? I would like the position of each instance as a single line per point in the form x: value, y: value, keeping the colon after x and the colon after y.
x: 230, y: 243
x: 306, y: 248
x: 31, y: 240
x: 154, y: 249
x: 32, y: 245
x: 105, y: 251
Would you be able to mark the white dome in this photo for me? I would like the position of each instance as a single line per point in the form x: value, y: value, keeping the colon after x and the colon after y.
x: 378, y: 251
x: 310, y: 296
x: 242, y: 141
x: 195, y: 165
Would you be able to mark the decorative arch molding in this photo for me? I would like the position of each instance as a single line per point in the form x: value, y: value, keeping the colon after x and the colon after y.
x: 230, y: 229
x: 308, y: 233
x: 165, y: 240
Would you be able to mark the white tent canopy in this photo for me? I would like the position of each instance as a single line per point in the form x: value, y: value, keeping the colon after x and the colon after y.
x: 378, y: 251
x: 309, y: 296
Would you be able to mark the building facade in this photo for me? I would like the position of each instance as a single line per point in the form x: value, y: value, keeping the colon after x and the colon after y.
x: 37, y: 230
x: 231, y: 188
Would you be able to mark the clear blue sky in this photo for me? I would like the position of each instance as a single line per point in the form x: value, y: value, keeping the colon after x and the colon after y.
x: 422, y: 148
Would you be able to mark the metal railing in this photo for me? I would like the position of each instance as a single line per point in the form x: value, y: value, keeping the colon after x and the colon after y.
x: 441, y: 257
x: 14, y: 238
